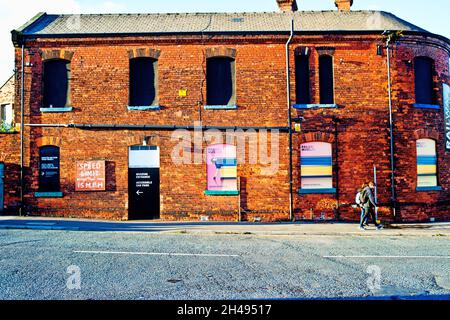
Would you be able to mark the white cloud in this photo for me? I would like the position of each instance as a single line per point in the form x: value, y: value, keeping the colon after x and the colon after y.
x: 15, y: 13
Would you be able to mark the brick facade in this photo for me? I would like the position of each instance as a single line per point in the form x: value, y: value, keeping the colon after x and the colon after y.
x: 358, y: 128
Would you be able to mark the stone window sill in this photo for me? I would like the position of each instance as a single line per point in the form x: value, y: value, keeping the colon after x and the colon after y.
x: 56, y: 110
x: 317, y: 191
x: 427, y: 106
x: 233, y: 107
x: 144, y: 108
x: 48, y: 194
x: 221, y: 193
x: 315, y: 106
x: 424, y: 189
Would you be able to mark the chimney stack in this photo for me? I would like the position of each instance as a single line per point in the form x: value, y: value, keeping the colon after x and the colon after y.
x: 287, y: 5
x: 343, y: 5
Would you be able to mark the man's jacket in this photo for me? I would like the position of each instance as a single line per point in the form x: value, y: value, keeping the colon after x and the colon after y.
x: 369, y: 198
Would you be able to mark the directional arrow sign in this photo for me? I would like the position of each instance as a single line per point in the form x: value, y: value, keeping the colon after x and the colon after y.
x: 139, y: 192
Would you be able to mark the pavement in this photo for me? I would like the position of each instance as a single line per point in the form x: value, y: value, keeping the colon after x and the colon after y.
x: 54, y: 265
x: 208, y: 228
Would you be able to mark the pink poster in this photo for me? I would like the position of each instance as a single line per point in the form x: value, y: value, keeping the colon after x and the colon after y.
x: 221, y: 165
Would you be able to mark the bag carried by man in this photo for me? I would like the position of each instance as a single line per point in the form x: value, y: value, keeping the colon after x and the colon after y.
x: 362, y: 198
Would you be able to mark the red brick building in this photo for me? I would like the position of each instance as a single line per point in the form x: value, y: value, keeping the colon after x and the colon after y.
x: 108, y: 101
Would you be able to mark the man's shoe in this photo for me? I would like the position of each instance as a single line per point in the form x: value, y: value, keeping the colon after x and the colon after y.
x: 380, y: 228
x: 362, y: 228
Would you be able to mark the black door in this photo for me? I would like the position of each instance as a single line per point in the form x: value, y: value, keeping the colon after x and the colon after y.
x: 143, y: 183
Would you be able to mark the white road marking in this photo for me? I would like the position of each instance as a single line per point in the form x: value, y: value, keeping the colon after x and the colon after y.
x: 388, y: 257
x: 160, y: 254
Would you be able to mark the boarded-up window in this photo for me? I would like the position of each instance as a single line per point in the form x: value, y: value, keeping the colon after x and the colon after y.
x: 220, y: 84
x: 49, y: 170
x: 326, y: 79
x: 316, y: 166
x: 423, y: 69
x: 426, y: 163
x: 302, y: 79
x: 56, y: 84
x: 143, y: 82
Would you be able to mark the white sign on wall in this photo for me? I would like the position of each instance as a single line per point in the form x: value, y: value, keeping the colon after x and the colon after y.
x: 447, y: 115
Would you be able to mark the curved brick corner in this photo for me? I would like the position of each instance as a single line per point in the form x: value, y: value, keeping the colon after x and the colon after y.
x: 426, y: 134
x: 144, y: 53
x: 49, y: 141
x: 317, y: 137
x: 57, y: 54
x: 221, y: 52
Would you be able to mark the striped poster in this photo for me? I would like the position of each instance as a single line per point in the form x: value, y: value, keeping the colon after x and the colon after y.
x: 426, y: 163
x: 316, y: 165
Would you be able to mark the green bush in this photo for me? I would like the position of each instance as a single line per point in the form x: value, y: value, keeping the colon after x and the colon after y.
x: 5, y: 127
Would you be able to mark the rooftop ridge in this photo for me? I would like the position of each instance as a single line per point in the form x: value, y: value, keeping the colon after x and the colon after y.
x: 215, y: 13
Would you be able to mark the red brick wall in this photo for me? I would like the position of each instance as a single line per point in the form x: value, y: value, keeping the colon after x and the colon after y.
x: 10, y: 157
x: 358, y: 128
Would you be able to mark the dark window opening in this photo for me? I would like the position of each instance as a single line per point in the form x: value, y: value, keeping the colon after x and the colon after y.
x: 142, y: 82
x: 423, y: 69
x: 326, y: 80
x: 49, y: 170
x: 220, y: 81
x: 302, y: 79
x: 56, y: 83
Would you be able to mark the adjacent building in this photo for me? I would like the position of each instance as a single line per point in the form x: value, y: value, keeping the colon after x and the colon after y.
x: 227, y: 116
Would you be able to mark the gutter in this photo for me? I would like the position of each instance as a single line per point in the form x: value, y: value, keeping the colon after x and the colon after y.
x: 227, y: 33
x: 288, y: 93
x: 391, y: 128
x: 22, y: 108
x: 149, y: 127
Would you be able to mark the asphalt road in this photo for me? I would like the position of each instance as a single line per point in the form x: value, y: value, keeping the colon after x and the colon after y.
x: 34, y: 264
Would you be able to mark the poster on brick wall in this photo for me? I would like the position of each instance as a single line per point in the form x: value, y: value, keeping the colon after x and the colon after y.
x: 90, y: 176
x: 447, y: 115
x: 316, y: 165
x: 222, y: 168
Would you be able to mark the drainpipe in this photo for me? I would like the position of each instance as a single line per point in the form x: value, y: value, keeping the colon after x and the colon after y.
x: 391, y: 128
x: 288, y: 81
x: 22, y: 108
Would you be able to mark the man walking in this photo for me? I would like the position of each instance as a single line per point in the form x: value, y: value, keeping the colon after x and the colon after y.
x: 358, y: 200
x: 369, y: 205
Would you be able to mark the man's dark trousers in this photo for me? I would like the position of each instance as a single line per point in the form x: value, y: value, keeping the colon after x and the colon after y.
x: 370, y: 210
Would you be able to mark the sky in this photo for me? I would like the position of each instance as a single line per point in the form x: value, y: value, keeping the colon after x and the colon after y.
x: 432, y: 15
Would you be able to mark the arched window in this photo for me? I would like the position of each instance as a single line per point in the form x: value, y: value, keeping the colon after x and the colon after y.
x: 49, y: 170
x: 143, y: 83
x: 56, y: 83
x: 426, y: 163
x: 302, y: 81
x: 326, y: 79
x: 220, y: 81
x: 316, y: 167
x: 423, y: 77
x: 221, y: 163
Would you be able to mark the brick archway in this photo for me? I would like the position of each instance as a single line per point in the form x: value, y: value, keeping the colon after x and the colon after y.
x: 144, y: 53
x: 221, y: 52
x: 49, y: 141
x: 57, y: 54
x: 317, y: 136
x: 426, y: 134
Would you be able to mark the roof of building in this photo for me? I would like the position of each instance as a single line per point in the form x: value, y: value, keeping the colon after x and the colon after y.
x: 263, y: 22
